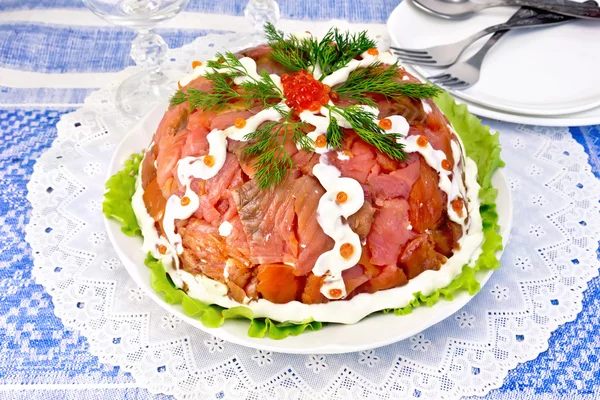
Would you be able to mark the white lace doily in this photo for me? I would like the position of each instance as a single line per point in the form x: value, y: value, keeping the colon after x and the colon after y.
x: 545, y: 269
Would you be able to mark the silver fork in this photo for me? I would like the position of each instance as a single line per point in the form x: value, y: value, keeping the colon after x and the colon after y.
x: 463, y: 75
x: 447, y: 54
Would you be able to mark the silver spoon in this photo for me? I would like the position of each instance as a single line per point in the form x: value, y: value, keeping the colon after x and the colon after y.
x: 459, y: 10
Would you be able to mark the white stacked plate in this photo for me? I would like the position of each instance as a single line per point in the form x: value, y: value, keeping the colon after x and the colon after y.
x: 542, y: 76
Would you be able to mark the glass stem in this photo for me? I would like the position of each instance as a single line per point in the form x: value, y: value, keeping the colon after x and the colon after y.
x: 149, y: 50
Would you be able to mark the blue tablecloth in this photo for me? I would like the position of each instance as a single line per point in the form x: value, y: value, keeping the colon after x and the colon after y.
x: 40, y: 358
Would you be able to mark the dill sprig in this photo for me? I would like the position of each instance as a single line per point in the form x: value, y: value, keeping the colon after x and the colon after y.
x: 229, y: 61
x: 334, y: 133
x: 226, y: 68
x: 346, y: 47
x: 292, y: 53
x: 331, y: 53
x: 274, y: 162
x: 264, y: 90
x: 363, y: 123
x: 221, y: 94
x: 377, y: 78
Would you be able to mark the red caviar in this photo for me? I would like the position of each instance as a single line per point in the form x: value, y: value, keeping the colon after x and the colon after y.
x: 335, y: 293
x: 196, y: 64
x: 304, y: 92
x: 341, y: 197
x: 209, y: 161
x: 373, y: 51
x: 346, y: 250
x: 422, y: 141
x: 185, y: 201
x: 457, y: 206
x: 447, y: 165
x: 162, y: 249
x: 385, y: 124
x: 321, y: 141
x: 239, y: 122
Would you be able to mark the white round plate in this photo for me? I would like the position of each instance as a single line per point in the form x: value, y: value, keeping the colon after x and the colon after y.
x: 582, y: 118
x: 545, y: 71
x: 374, y: 331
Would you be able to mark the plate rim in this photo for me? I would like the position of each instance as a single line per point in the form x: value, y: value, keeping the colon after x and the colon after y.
x: 503, y: 109
x: 117, y: 238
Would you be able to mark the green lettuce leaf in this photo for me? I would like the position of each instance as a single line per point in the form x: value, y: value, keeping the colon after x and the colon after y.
x: 480, y: 145
x: 117, y: 199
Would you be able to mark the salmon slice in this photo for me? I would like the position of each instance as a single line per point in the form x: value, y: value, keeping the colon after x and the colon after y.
x: 196, y: 144
x: 419, y: 255
x: 236, y: 241
x: 174, y: 120
x: 154, y: 200
x: 445, y: 237
x: 391, y: 276
x: 306, y: 161
x: 386, y: 163
x: 312, y: 240
x: 359, y: 165
x: 201, y: 83
x: 267, y: 216
x: 312, y: 290
x: 167, y: 158
x: 235, y: 292
x: 360, y: 222
x: 353, y: 278
x: 226, y: 118
x: 216, y: 188
x: 411, y: 110
x: 204, y: 250
x: 148, y: 169
x: 427, y: 202
x: 256, y: 52
x: 251, y: 288
x: 395, y: 184
x: 262, y: 55
x: 277, y: 283
x: 201, y: 119
x: 365, y: 260
x: 245, y: 160
x: 238, y: 276
x: 389, y: 232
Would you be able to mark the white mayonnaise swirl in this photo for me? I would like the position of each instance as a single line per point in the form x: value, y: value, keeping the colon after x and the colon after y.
x: 329, y: 216
x: 342, y: 74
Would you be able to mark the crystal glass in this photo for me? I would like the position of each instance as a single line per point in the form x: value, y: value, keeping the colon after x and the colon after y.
x: 259, y: 12
x: 139, y: 93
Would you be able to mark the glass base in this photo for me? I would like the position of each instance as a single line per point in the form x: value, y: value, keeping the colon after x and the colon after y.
x: 140, y: 93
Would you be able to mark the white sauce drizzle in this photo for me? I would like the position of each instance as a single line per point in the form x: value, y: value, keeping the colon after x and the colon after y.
x: 252, y: 123
x: 342, y: 156
x: 329, y: 217
x: 248, y: 63
x: 426, y: 107
x: 152, y: 240
x: 341, y: 75
x: 329, y: 213
x: 225, y: 228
